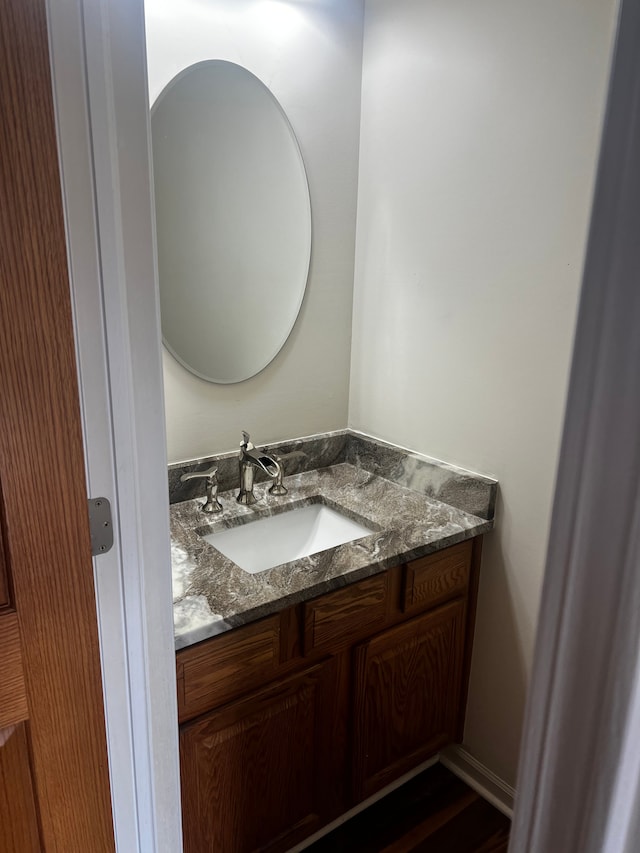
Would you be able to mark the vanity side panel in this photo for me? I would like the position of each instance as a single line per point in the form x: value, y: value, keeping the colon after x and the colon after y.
x: 472, y: 601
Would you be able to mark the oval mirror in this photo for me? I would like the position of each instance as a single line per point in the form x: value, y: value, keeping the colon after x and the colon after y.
x: 233, y: 220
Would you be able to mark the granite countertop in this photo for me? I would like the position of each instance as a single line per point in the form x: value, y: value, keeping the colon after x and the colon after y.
x: 212, y: 594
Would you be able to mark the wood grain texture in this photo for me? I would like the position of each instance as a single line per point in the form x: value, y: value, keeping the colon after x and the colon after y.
x: 41, y: 454
x: 402, y: 704
x: 434, y: 579
x: 291, y: 633
x: 13, y: 695
x: 435, y: 812
x: 407, y: 684
x: 256, y: 773
x: 355, y: 611
x: 215, y: 672
x: 19, y: 831
x: 4, y: 586
x: 4, y: 573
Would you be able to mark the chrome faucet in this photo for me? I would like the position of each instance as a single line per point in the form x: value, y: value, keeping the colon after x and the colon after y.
x: 250, y: 460
x: 211, y: 504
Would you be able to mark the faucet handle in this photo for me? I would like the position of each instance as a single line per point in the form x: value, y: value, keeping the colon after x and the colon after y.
x: 192, y: 475
x: 211, y: 504
x: 277, y: 488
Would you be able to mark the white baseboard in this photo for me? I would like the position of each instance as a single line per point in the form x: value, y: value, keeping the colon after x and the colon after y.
x: 480, y: 778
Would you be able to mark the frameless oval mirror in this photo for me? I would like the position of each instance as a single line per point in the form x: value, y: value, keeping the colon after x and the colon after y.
x: 233, y: 221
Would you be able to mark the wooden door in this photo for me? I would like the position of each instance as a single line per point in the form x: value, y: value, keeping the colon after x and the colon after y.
x: 407, y: 690
x: 54, y: 784
x: 260, y: 773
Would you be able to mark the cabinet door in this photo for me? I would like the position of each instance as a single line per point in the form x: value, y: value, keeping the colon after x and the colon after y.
x: 258, y: 774
x: 407, y: 690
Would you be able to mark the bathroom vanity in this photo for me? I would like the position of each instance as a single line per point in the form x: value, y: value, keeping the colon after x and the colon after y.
x: 306, y: 688
x: 288, y: 722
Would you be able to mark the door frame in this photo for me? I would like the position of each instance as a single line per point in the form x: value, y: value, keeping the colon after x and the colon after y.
x: 100, y: 95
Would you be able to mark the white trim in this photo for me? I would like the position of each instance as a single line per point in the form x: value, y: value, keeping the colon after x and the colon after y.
x: 100, y: 93
x: 484, y: 781
x: 364, y: 805
x: 67, y: 61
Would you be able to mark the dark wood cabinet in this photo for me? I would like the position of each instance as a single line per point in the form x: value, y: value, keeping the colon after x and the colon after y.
x: 437, y: 578
x: 288, y: 722
x: 257, y: 774
x: 213, y: 673
x: 406, y: 687
x: 346, y: 615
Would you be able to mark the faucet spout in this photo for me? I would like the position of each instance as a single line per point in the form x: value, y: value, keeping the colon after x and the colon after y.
x: 250, y: 460
x: 266, y: 463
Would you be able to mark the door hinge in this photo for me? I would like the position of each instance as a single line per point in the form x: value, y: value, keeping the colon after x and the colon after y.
x: 100, y: 525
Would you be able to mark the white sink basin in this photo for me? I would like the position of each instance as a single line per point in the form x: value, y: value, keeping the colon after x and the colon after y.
x: 268, y: 542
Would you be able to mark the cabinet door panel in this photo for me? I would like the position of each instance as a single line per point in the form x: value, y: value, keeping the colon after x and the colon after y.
x: 256, y: 773
x: 407, y: 692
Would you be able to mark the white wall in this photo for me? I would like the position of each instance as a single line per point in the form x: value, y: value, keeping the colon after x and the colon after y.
x: 309, y: 55
x: 479, y: 137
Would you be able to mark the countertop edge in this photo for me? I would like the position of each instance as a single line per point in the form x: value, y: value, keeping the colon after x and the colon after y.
x: 206, y: 632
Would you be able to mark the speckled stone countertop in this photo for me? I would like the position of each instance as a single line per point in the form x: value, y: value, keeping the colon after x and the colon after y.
x: 212, y: 594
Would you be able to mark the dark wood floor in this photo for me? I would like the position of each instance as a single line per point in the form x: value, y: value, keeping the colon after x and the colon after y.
x: 433, y: 813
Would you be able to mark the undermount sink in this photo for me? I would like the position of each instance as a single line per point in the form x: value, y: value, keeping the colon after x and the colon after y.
x: 268, y: 542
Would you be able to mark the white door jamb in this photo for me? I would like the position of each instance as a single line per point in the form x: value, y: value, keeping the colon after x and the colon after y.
x: 100, y: 94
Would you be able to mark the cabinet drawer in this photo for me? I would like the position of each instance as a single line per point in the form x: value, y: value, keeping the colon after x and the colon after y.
x: 226, y: 666
x: 433, y: 579
x: 346, y: 614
